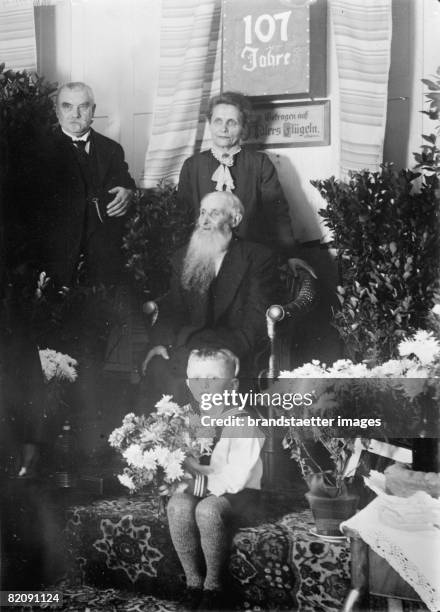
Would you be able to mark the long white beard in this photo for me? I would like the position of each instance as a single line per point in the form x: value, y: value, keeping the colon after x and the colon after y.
x: 203, y: 251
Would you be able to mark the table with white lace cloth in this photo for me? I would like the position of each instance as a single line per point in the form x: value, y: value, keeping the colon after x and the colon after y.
x: 406, y: 533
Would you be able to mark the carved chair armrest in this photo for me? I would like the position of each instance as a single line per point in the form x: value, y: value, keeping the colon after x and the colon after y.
x: 303, y: 299
x: 306, y: 299
x: 303, y: 294
x: 151, y: 311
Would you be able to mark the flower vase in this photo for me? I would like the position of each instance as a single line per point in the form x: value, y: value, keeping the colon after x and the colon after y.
x: 330, y: 512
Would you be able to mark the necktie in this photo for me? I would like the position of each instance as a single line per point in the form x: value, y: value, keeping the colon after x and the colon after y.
x: 80, y: 145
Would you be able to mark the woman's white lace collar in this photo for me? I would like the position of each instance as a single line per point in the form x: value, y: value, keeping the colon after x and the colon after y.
x: 222, y: 176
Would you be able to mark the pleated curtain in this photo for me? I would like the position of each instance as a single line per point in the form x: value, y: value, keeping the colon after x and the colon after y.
x: 362, y: 33
x: 189, y: 74
x: 18, y: 49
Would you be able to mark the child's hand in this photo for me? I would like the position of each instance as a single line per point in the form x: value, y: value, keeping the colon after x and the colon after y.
x: 183, y: 484
x: 191, y: 464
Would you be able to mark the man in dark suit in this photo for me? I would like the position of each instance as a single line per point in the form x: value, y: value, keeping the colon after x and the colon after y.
x: 86, y: 189
x: 221, y: 287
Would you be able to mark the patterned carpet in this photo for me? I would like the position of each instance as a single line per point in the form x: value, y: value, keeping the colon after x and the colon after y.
x: 121, y: 546
x: 90, y: 599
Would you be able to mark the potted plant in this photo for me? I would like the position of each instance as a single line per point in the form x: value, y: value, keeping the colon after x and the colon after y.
x: 385, y: 230
x: 330, y: 496
x: 397, y: 398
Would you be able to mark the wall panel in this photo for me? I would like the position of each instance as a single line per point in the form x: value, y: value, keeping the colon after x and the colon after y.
x: 113, y: 45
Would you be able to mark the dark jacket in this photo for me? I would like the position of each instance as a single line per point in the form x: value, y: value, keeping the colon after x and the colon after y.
x: 266, y: 219
x: 67, y: 222
x: 247, y: 283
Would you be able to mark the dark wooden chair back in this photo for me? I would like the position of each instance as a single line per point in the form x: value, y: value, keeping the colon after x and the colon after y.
x: 284, y: 321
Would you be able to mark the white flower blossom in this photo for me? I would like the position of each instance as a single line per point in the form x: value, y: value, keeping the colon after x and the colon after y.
x: 129, y: 418
x: 158, y: 429
x: 126, y: 481
x: 134, y: 455
x: 58, y: 366
x: 67, y: 368
x: 173, y: 471
x: 436, y: 310
x: 423, y: 345
x: 148, y: 436
x: 308, y: 370
x: 173, y: 467
x: 205, y: 445
x: 417, y: 371
x: 166, y: 407
x: 393, y: 368
x: 116, y: 437
x: 179, y: 455
x: 149, y: 460
x: 354, y: 370
x: 161, y: 454
x: 342, y: 364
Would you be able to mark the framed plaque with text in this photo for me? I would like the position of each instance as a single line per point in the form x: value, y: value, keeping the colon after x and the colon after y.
x: 275, y: 47
x: 303, y: 124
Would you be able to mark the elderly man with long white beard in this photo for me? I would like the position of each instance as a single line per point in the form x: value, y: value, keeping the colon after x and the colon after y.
x: 221, y: 287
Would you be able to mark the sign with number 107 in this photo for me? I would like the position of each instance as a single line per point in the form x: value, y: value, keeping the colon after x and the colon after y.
x: 265, y: 30
x: 265, y: 27
x: 267, y: 46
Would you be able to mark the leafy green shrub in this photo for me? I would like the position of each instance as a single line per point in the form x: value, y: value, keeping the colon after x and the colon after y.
x: 26, y: 117
x: 387, y: 239
x: 26, y: 104
x: 159, y: 225
x: 386, y: 230
x: 429, y: 158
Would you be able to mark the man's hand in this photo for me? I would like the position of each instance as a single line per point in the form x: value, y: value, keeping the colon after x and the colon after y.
x: 295, y: 263
x: 159, y: 350
x: 119, y: 205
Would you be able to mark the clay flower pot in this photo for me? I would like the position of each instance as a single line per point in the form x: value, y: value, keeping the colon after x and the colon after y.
x: 330, y: 512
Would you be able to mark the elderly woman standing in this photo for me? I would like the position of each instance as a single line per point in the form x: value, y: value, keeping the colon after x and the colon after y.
x: 249, y: 174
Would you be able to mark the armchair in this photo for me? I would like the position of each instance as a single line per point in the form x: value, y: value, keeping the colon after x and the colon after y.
x: 284, y: 322
x: 285, y: 329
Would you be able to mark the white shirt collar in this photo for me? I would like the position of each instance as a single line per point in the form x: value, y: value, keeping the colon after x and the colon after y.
x: 84, y: 137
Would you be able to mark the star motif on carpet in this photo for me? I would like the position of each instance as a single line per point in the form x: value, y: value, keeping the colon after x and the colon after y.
x: 127, y: 547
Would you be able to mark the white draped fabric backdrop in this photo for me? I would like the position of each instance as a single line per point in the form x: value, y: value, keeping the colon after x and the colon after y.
x: 190, y: 72
x: 17, y: 35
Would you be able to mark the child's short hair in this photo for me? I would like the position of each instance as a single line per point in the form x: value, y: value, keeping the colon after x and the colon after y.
x: 225, y: 355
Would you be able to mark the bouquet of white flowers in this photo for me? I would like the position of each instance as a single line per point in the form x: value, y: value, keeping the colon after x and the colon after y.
x: 58, y: 369
x: 401, y: 393
x: 155, y: 447
x: 57, y: 366
x: 357, y: 386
